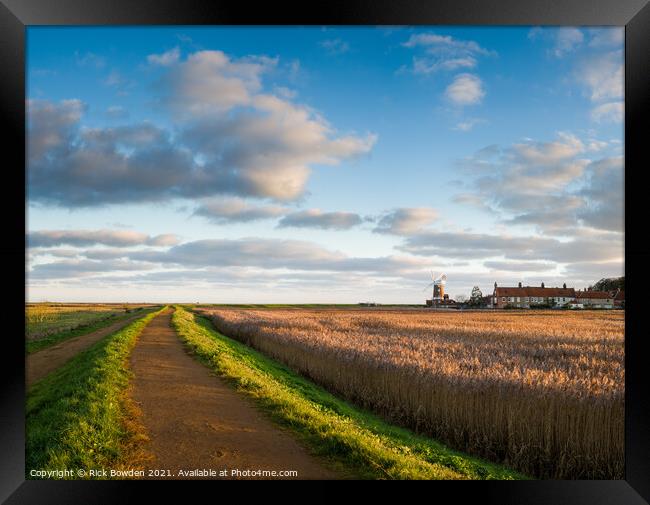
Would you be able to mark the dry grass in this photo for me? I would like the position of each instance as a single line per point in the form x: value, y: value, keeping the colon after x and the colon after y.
x: 43, y: 319
x: 541, y: 392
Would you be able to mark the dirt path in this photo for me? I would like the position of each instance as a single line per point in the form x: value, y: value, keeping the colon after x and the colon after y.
x: 43, y: 362
x: 195, y: 421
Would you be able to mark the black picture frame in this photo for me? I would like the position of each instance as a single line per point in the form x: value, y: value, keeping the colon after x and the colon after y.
x: 16, y: 15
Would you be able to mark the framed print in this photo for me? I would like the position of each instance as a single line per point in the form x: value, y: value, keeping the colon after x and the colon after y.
x: 371, y: 241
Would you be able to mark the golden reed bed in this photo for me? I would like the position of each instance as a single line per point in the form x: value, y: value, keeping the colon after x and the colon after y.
x: 539, y: 391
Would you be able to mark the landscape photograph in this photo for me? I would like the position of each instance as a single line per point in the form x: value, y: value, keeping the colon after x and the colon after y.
x: 324, y: 253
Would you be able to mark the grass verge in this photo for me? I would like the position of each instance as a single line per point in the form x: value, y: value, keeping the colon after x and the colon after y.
x: 352, y: 440
x: 50, y: 340
x: 78, y: 417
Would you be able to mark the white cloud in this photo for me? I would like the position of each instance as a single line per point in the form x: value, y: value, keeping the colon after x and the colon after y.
x: 90, y: 59
x: 466, y: 89
x: 599, y: 69
x: 428, y: 66
x: 566, y: 146
x: 81, y: 268
x: 603, y: 78
x: 564, y: 40
x: 51, y: 126
x: 475, y: 200
x: 520, y: 266
x: 567, y: 39
x: 83, y: 238
x: 273, y: 253
x: 335, y: 46
x: 594, y: 145
x: 231, y: 138
x: 114, y: 79
x: 444, y: 52
x: 165, y: 59
x: 535, y: 32
x: 117, y: 112
x: 604, y: 193
x: 602, y: 75
x: 272, y: 264
x: 210, y: 82
x: 284, y: 92
x: 236, y: 210
x: 446, y: 44
x: 406, y: 221
x: 551, y: 185
x: 272, y: 148
x: 607, y: 36
x: 588, y: 272
x: 519, y: 248
x: 316, y: 218
x: 469, y: 124
x: 224, y: 262
x: 611, y: 112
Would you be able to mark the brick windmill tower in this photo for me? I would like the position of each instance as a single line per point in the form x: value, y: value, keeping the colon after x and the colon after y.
x: 438, y: 284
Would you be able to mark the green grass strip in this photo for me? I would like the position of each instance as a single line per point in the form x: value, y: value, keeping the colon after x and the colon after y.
x: 74, y: 416
x: 354, y: 441
x: 50, y: 340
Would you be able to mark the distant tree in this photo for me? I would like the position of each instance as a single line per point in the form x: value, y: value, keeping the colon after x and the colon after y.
x: 610, y: 284
x: 476, y: 298
x: 461, y: 298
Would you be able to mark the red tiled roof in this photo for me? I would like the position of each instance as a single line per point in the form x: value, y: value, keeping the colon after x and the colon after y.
x: 593, y: 294
x: 537, y: 292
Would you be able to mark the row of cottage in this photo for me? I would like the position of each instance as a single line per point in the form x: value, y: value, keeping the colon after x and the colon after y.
x: 529, y: 296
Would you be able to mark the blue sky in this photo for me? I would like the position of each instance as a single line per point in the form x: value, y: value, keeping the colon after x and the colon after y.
x: 320, y: 164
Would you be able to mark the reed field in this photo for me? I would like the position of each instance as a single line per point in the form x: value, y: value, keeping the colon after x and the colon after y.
x: 539, y: 391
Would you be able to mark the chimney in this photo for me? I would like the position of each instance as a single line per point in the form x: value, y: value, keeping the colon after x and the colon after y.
x: 564, y: 285
x: 520, y: 284
x: 542, y: 284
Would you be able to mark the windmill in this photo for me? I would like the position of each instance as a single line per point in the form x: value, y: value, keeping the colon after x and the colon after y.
x: 438, y: 284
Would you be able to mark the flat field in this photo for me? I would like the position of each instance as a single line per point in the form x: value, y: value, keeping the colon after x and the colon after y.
x: 47, y: 324
x: 42, y: 320
x: 540, y: 391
